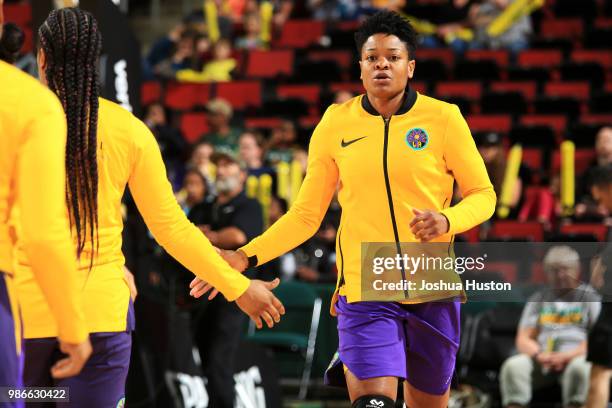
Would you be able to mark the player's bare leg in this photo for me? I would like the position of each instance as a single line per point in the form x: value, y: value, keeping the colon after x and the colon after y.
x: 415, y: 398
x: 383, y: 386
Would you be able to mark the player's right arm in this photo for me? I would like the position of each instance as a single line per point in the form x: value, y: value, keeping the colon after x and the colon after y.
x: 305, y: 215
x: 43, y: 223
x: 155, y: 200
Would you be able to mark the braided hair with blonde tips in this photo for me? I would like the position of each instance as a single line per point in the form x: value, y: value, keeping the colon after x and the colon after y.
x: 72, y: 44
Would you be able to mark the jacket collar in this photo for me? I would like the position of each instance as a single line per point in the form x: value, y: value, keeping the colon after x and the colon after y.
x: 410, y: 97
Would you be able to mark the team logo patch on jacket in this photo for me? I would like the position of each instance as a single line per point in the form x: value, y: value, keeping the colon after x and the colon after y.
x: 417, y: 139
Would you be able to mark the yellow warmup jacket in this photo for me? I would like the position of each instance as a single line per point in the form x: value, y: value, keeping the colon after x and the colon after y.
x: 383, y: 169
x: 32, y: 177
x: 128, y: 154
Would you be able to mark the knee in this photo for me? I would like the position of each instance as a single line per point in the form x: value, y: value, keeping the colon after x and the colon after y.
x: 600, y: 376
x: 578, y: 369
x: 514, y: 367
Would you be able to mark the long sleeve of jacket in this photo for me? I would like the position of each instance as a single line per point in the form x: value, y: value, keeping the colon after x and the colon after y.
x: 155, y: 200
x: 305, y: 215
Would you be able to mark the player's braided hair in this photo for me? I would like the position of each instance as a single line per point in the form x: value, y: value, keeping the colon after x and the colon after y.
x: 390, y: 23
x: 72, y: 43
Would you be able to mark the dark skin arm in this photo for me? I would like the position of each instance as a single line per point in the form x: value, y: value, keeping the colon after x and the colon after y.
x: 225, y: 238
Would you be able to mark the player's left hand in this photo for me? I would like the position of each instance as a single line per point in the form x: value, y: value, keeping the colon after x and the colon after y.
x: 427, y: 225
x: 199, y: 288
x: 131, y: 282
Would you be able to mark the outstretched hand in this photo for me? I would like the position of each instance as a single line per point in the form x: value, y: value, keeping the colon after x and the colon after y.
x: 236, y: 259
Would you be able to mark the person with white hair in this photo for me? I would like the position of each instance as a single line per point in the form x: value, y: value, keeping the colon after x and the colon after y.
x: 552, y: 335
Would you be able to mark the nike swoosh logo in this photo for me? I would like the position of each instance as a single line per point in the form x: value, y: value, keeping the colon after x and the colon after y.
x: 350, y: 142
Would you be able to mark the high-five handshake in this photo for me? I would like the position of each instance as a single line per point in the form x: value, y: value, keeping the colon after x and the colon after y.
x: 258, y: 302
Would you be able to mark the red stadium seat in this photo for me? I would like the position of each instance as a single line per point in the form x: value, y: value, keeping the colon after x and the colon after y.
x: 150, y: 92
x: 568, y: 28
x: 269, y: 64
x: 343, y: 58
x: 483, y: 123
x: 441, y: 54
x: 186, y: 96
x: 583, y: 158
x: 28, y: 43
x: 354, y: 87
x: 20, y: 14
x: 262, y: 123
x: 351, y: 26
x: 193, y: 125
x: 540, y: 58
x: 599, y: 231
x: 538, y: 275
x: 556, y: 122
x: 419, y: 86
x: 309, y: 121
x: 467, y: 89
x: 240, y: 94
x: 603, y: 22
x: 300, y: 33
x: 532, y: 157
x: 509, y: 270
x: 472, y: 235
x: 596, y: 119
x: 603, y: 58
x: 530, y: 230
x: 578, y: 90
x: 307, y: 93
x: 527, y: 88
x: 501, y: 57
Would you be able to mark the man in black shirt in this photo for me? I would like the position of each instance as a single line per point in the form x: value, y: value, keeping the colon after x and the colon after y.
x: 231, y: 221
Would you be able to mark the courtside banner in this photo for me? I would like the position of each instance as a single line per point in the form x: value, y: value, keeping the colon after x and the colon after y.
x: 414, y: 272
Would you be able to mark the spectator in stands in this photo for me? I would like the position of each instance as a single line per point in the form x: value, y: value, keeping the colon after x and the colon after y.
x: 314, y: 260
x: 195, y: 190
x: 393, y: 5
x: 282, y: 11
x: 342, y: 96
x: 282, y: 142
x: 11, y: 42
x: 252, y: 34
x: 283, y: 267
x: 600, y: 337
x: 234, y: 220
x: 169, y: 139
x: 201, y: 159
x: 173, y: 53
x: 450, y: 19
x: 552, y: 335
x: 514, y: 38
x: 221, y: 134
x: 334, y: 10
x: 218, y: 69
x: 587, y: 207
x: 251, y: 148
x: 492, y: 152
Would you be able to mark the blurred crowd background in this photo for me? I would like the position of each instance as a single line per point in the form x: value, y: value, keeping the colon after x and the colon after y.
x: 232, y: 90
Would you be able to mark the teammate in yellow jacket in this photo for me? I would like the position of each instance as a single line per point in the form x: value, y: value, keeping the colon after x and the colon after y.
x: 32, y: 143
x: 107, y: 149
x: 395, y: 155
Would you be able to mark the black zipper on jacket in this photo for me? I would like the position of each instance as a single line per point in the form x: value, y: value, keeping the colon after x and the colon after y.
x: 341, y: 281
x: 390, y: 200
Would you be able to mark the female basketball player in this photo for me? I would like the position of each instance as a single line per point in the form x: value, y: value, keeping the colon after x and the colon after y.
x: 107, y: 149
